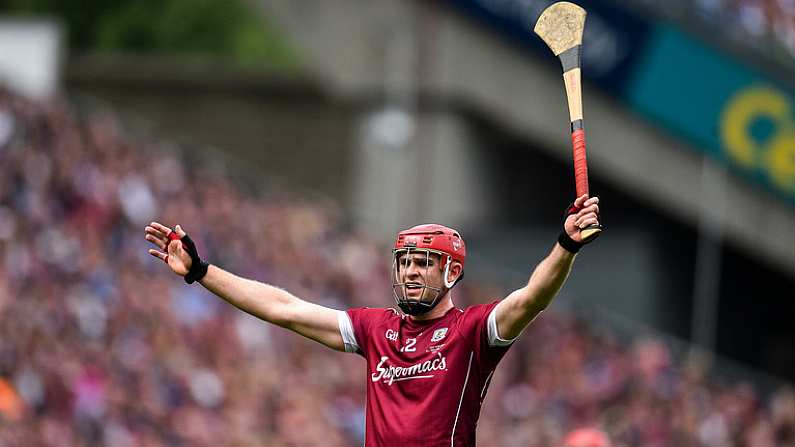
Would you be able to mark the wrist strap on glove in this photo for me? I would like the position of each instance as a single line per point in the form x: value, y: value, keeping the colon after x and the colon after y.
x: 569, y: 244
x: 198, y: 267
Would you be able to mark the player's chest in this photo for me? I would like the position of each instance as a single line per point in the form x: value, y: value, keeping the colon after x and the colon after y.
x: 416, y: 344
x: 426, y: 356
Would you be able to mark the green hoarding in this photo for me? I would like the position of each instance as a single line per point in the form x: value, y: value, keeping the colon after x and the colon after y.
x: 732, y: 112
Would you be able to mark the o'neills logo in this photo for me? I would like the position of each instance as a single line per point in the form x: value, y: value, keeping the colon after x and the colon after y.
x: 390, y: 374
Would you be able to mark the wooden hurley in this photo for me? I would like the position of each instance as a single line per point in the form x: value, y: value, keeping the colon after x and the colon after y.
x: 560, y: 26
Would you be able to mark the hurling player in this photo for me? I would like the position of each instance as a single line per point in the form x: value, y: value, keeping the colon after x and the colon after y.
x: 429, y: 365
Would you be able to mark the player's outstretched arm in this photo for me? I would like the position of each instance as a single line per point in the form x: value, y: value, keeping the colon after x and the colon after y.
x: 519, y: 308
x: 264, y: 301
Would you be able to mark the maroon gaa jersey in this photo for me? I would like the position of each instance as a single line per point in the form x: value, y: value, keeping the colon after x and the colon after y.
x: 426, y: 380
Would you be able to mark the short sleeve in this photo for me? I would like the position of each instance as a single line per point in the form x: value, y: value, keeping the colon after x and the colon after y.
x: 347, y: 332
x: 493, y: 332
x: 355, y: 327
x: 479, y: 325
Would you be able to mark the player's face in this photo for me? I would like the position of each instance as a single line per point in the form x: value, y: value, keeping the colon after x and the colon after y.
x: 418, y: 270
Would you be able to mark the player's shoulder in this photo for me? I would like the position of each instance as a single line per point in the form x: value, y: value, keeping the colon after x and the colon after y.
x: 477, y: 310
x: 374, y: 314
x: 472, y: 316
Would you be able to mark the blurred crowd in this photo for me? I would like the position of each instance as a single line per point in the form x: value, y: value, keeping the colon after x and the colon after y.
x: 758, y: 18
x: 101, y: 345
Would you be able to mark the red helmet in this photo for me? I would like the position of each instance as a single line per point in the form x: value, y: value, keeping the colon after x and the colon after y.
x: 427, y: 238
x: 434, y: 237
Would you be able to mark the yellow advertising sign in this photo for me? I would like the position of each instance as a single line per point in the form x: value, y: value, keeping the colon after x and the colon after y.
x: 770, y: 151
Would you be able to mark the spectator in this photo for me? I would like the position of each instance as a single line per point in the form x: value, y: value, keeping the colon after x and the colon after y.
x: 99, y: 346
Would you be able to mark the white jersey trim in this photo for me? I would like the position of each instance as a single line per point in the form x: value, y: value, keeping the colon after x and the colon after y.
x: 346, y: 330
x: 486, y: 385
x: 494, y: 335
x: 461, y: 401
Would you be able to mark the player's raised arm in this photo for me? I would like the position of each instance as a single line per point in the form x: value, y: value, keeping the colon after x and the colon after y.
x: 522, y: 305
x: 264, y: 301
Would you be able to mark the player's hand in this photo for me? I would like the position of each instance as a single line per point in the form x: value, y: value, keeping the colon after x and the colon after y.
x: 584, y: 212
x: 169, y: 250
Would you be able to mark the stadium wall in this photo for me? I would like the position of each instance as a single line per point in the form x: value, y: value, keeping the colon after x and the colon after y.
x: 459, y: 58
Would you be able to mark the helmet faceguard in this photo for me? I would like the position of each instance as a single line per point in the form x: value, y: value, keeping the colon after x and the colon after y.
x: 426, y: 241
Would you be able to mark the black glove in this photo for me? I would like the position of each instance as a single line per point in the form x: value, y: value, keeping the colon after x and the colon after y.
x: 567, y: 242
x: 198, y: 267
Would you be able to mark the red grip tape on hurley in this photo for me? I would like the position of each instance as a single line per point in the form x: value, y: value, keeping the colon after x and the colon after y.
x: 580, y: 162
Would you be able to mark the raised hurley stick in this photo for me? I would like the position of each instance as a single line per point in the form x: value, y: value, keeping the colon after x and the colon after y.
x: 561, y: 26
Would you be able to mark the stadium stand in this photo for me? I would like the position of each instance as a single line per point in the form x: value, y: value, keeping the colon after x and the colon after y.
x: 767, y: 27
x: 99, y: 345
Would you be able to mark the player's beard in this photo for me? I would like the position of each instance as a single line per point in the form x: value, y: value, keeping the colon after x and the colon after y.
x: 428, y: 299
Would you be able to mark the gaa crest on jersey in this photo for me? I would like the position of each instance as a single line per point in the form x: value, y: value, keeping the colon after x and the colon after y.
x: 438, y: 334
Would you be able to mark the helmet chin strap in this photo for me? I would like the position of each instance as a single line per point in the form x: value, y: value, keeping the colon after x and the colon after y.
x: 414, y: 308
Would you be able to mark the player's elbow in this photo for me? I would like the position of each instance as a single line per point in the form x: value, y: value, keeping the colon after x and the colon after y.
x: 282, y: 308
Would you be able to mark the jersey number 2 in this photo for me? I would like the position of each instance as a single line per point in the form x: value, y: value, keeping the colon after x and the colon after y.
x: 410, y: 342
